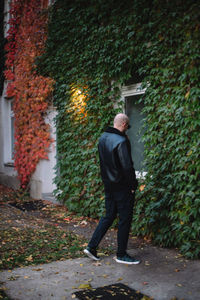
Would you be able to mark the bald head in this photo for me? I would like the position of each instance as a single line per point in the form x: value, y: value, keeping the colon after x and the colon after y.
x: 121, y: 122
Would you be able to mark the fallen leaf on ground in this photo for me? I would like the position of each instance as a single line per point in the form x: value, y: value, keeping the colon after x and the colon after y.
x: 85, y: 286
x: 67, y: 219
x: 30, y: 258
x: 83, y: 223
x: 179, y: 284
x: 96, y: 264
x: 177, y: 270
x: 101, y: 254
x: 12, y: 278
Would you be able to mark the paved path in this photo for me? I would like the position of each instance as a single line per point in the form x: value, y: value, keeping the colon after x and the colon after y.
x: 163, y: 275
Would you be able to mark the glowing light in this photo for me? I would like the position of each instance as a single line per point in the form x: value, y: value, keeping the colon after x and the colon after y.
x: 78, y: 103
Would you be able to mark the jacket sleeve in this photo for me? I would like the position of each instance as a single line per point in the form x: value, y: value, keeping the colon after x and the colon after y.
x: 126, y: 164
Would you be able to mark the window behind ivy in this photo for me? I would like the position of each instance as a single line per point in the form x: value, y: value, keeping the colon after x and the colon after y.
x: 135, y: 133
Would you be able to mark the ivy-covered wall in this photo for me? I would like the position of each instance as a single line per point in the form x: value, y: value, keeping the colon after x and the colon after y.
x: 93, y: 47
x: 31, y: 93
x: 2, y: 42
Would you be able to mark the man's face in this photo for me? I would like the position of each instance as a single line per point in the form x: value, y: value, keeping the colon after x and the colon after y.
x: 126, y: 126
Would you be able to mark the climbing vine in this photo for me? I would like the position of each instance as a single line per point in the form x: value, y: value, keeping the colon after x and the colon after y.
x: 2, y: 42
x: 30, y: 91
x: 97, y: 46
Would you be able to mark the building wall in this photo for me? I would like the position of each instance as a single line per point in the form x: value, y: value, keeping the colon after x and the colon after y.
x: 8, y: 175
x: 41, y: 185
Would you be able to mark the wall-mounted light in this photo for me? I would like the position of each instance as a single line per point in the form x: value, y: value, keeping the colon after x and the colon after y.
x: 78, y: 103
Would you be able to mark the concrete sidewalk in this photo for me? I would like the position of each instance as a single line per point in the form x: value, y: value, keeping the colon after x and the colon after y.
x: 163, y: 275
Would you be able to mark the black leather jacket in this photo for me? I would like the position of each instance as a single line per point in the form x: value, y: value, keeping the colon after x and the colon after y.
x: 115, y: 160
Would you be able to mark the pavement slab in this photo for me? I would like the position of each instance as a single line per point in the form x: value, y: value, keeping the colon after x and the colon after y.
x: 163, y: 275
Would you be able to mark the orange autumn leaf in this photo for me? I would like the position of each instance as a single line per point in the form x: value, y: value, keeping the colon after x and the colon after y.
x: 141, y: 188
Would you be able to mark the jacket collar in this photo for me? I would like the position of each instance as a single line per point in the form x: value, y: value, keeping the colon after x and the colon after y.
x: 114, y: 130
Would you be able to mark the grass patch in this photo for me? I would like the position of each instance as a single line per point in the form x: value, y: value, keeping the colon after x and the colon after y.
x: 31, y: 241
x: 22, y: 247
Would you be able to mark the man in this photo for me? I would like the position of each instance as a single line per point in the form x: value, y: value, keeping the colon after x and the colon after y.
x: 120, y: 183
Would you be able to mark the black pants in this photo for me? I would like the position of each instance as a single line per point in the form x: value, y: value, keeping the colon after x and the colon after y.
x: 121, y: 203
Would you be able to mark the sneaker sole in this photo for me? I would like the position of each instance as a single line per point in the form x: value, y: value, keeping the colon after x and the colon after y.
x: 127, y: 262
x: 90, y: 255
